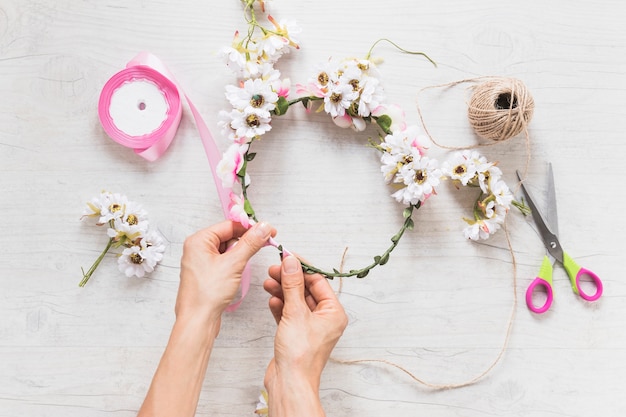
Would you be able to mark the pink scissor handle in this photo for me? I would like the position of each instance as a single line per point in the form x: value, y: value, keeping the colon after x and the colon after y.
x: 539, y: 282
x: 596, y: 280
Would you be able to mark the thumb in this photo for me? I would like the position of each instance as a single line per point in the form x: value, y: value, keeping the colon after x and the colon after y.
x: 292, y: 282
x: 251, y: 242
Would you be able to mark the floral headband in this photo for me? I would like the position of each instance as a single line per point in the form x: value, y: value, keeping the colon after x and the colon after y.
x: 351, y: 93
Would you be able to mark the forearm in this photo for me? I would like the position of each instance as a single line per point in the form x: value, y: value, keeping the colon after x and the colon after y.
x: 177, y: 382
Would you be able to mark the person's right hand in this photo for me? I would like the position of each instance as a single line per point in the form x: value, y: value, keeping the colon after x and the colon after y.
x: 310, y: 322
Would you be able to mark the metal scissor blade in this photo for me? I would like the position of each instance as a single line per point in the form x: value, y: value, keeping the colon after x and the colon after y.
x: 552, y: 217
x: 550, y: 239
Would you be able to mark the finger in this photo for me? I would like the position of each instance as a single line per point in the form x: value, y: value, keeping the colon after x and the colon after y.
x: 223, y: 232
x: 274, y: 272
x: 251, y: 242
x: 273, y: 288
x: 292, y: 282
x: 276, y: 308
x: 319, y: 288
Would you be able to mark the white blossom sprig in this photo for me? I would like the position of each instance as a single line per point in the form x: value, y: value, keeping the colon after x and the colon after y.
x: 469, y: 168
x: 128, y: 228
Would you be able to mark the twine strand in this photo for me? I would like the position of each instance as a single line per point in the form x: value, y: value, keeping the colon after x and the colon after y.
x: 486, y: 371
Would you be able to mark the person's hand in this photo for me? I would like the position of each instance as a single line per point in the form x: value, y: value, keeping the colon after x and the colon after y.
x: 210, y: 274
x: 310, y: 322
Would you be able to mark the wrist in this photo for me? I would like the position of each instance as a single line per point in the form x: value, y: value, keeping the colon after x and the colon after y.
x: 205, y: 326
x: 294, y: 395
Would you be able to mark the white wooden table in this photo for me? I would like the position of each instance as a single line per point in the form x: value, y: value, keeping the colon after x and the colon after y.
x: 439, y: 308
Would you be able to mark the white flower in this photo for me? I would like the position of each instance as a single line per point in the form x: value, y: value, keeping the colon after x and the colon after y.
x: 272, y: 47
x: 112, y: 207
x: 131, y: 225
x: 420, y: 176
x: 476, y: 231
x: 460, y: 167
x: 250, y: 123
x: 261, y: 406
x: 371, y: 96
x: 255, y: 94
x: 325, y: 75
x: 94, y: 207
x: 487, y: 174
x: 233, y: 58
x: 403, y: 141
x: 501, y: 191
x: 142, y: 258
x: 231, y: 163
x: 338, y: 98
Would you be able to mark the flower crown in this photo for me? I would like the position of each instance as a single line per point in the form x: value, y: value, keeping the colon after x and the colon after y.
x: 351, y: 93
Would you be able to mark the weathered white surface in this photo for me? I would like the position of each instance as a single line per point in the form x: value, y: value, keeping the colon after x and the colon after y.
x: 439, y: 308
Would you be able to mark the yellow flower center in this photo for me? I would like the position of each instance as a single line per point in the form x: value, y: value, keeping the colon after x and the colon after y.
x: 420, y: 176
x: 132, y: 220
x: 136, y: 258
x: 257, y: 101
x: 115, y: 207
x: 355, y: 84
x: 322, y: 78
x: 336, y: 98
x: 253, y: 120
x: 460, y: 169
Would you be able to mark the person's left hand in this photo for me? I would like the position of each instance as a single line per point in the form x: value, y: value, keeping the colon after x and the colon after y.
x: 212, y: 264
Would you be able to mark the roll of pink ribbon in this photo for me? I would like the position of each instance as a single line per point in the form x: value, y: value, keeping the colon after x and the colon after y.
x: 140, y: 107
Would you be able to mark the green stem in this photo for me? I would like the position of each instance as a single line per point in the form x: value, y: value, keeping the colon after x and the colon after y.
x: 369, y: 53
x: 95, y: 265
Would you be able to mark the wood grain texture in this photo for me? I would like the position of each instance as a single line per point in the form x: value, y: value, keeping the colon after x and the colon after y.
x: 439, y: 308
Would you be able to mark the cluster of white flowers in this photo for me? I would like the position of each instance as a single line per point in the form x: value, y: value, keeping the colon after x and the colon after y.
x: 351, y: 91
x: 403, y: 162
x: 128, y: 227
x: 259, y: 94
x: 469, y: 168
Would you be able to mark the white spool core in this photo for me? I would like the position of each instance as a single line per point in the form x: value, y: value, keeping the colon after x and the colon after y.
x: 138, y: 107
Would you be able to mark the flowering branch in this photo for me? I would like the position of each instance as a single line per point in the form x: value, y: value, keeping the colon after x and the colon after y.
x: 127, y: 227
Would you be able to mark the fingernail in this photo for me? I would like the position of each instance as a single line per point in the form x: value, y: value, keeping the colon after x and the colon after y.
x: 263, y: 230
x: 291, y: 264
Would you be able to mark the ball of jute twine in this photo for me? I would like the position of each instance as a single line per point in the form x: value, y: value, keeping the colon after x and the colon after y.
x: 500, y: 109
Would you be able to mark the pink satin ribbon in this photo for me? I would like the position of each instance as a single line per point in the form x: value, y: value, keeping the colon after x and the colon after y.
x: 151, y: 146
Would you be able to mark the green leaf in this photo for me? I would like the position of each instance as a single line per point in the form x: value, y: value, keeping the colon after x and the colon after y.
x: 248, y: 208
x: 384, y: 260
x: 282, y: 105
x: 363, y: 274
x: 305, y: 102
x: 410, y: 224
x: 384, y: 122
x: 336, y: 271
x: 406, y: 213
x: 377, y: 259
x: 250, y: 156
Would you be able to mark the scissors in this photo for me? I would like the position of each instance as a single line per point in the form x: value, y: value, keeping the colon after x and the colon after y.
x: 549, y: 230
